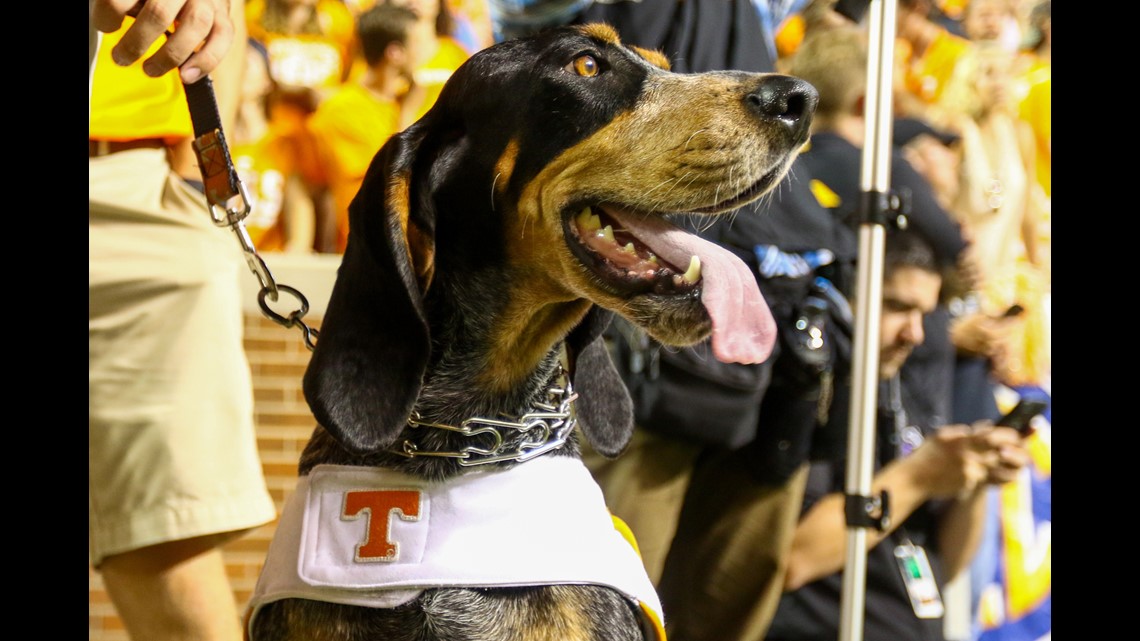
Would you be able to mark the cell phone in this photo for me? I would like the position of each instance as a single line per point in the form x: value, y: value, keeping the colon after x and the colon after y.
x: 1020, y: 416
x: 1014, y: 310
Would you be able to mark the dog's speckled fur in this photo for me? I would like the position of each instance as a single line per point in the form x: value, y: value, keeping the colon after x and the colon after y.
x: 458, y: 288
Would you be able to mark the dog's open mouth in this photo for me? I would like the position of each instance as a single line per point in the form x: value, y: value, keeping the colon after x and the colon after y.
x: 633, y: 254
x: 625, y: 262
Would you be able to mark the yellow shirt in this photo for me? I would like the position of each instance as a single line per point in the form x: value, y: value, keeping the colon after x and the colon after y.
x: 435, y: 72
x: 318, y: 62
x: 1036, y: 109
x: 925, y: 75
x: 127, y: 104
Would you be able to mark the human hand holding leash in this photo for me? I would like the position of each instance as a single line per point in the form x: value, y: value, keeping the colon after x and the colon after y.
x: 204, y: 33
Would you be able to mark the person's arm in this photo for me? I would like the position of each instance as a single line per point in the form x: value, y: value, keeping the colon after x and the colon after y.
x: 300, y: 217
x: 204, y: 34
x: 943, y: 466
x: 960, y: 531
x: 1030, y: 220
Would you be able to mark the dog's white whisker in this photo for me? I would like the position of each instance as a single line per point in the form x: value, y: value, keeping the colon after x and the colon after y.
x: 694, y: 135
x: 644, y: 196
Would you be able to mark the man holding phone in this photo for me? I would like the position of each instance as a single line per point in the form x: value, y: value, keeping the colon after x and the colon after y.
x: 935, y: 477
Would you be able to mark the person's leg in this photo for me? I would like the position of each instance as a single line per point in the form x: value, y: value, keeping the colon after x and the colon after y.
x: 724, y: 574
x: 173, y: 465
x: 176, y: 591
x: 645, y: 487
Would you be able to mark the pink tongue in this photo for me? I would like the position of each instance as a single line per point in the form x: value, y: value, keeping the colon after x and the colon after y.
x: 743, y: 330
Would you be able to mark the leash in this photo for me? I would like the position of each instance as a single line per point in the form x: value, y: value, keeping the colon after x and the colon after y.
x: 229, y: 203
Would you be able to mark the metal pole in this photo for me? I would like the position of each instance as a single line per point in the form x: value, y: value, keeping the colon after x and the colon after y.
x: 875, y: 183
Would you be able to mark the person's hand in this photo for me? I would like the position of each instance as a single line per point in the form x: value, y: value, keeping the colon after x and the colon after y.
x: 202, y: 33
x: 969, y: 268
x: 981, y: 335
x: 950, y: 463
x: 1003, y: 451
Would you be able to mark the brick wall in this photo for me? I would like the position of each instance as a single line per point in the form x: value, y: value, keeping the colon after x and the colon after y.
x: 277, y: 358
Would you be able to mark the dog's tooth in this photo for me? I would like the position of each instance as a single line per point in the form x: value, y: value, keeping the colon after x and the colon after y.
x: 607, y: 232
x: 652, y: 258
x: 588, y: 221
x: 693, y: 273
x: 629, y: 249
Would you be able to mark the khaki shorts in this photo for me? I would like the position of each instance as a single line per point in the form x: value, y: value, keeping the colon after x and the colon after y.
x: 173, y: 453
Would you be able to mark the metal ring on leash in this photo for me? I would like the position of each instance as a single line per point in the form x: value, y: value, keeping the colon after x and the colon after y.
x: 294, y: 318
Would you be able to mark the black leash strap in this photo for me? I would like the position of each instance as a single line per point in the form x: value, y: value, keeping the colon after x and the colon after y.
x: 218, y: 172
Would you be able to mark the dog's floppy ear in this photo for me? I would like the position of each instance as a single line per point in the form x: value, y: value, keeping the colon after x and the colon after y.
x: 367, y: 368
x: 605, y: 411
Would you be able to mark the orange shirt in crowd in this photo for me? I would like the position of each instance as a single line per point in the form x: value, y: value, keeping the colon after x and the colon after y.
x: 348, y: 129
x: 318, y: 62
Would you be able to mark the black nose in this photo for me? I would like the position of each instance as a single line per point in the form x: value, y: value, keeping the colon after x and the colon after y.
x: 787, y: 100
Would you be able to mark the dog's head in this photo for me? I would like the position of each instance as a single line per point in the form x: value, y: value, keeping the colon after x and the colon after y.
x: 535, y: 189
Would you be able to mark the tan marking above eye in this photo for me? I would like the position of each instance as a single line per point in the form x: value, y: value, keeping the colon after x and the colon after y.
x: 600, y: 31
x: 584, y: 65
x: 654, y: 57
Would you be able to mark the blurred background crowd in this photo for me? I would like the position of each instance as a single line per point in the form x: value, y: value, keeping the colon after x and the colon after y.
x: 979, y: 71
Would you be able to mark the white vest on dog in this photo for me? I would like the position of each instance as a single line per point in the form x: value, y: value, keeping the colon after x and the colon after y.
x: 377, y: 538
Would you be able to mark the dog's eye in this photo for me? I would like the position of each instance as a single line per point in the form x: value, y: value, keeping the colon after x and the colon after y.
x: 584, y: 65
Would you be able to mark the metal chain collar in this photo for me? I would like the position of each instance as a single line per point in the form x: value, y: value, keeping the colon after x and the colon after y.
x: 544, y: 429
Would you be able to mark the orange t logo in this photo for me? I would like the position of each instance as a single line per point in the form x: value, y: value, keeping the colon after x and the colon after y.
x: 379, y: 506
